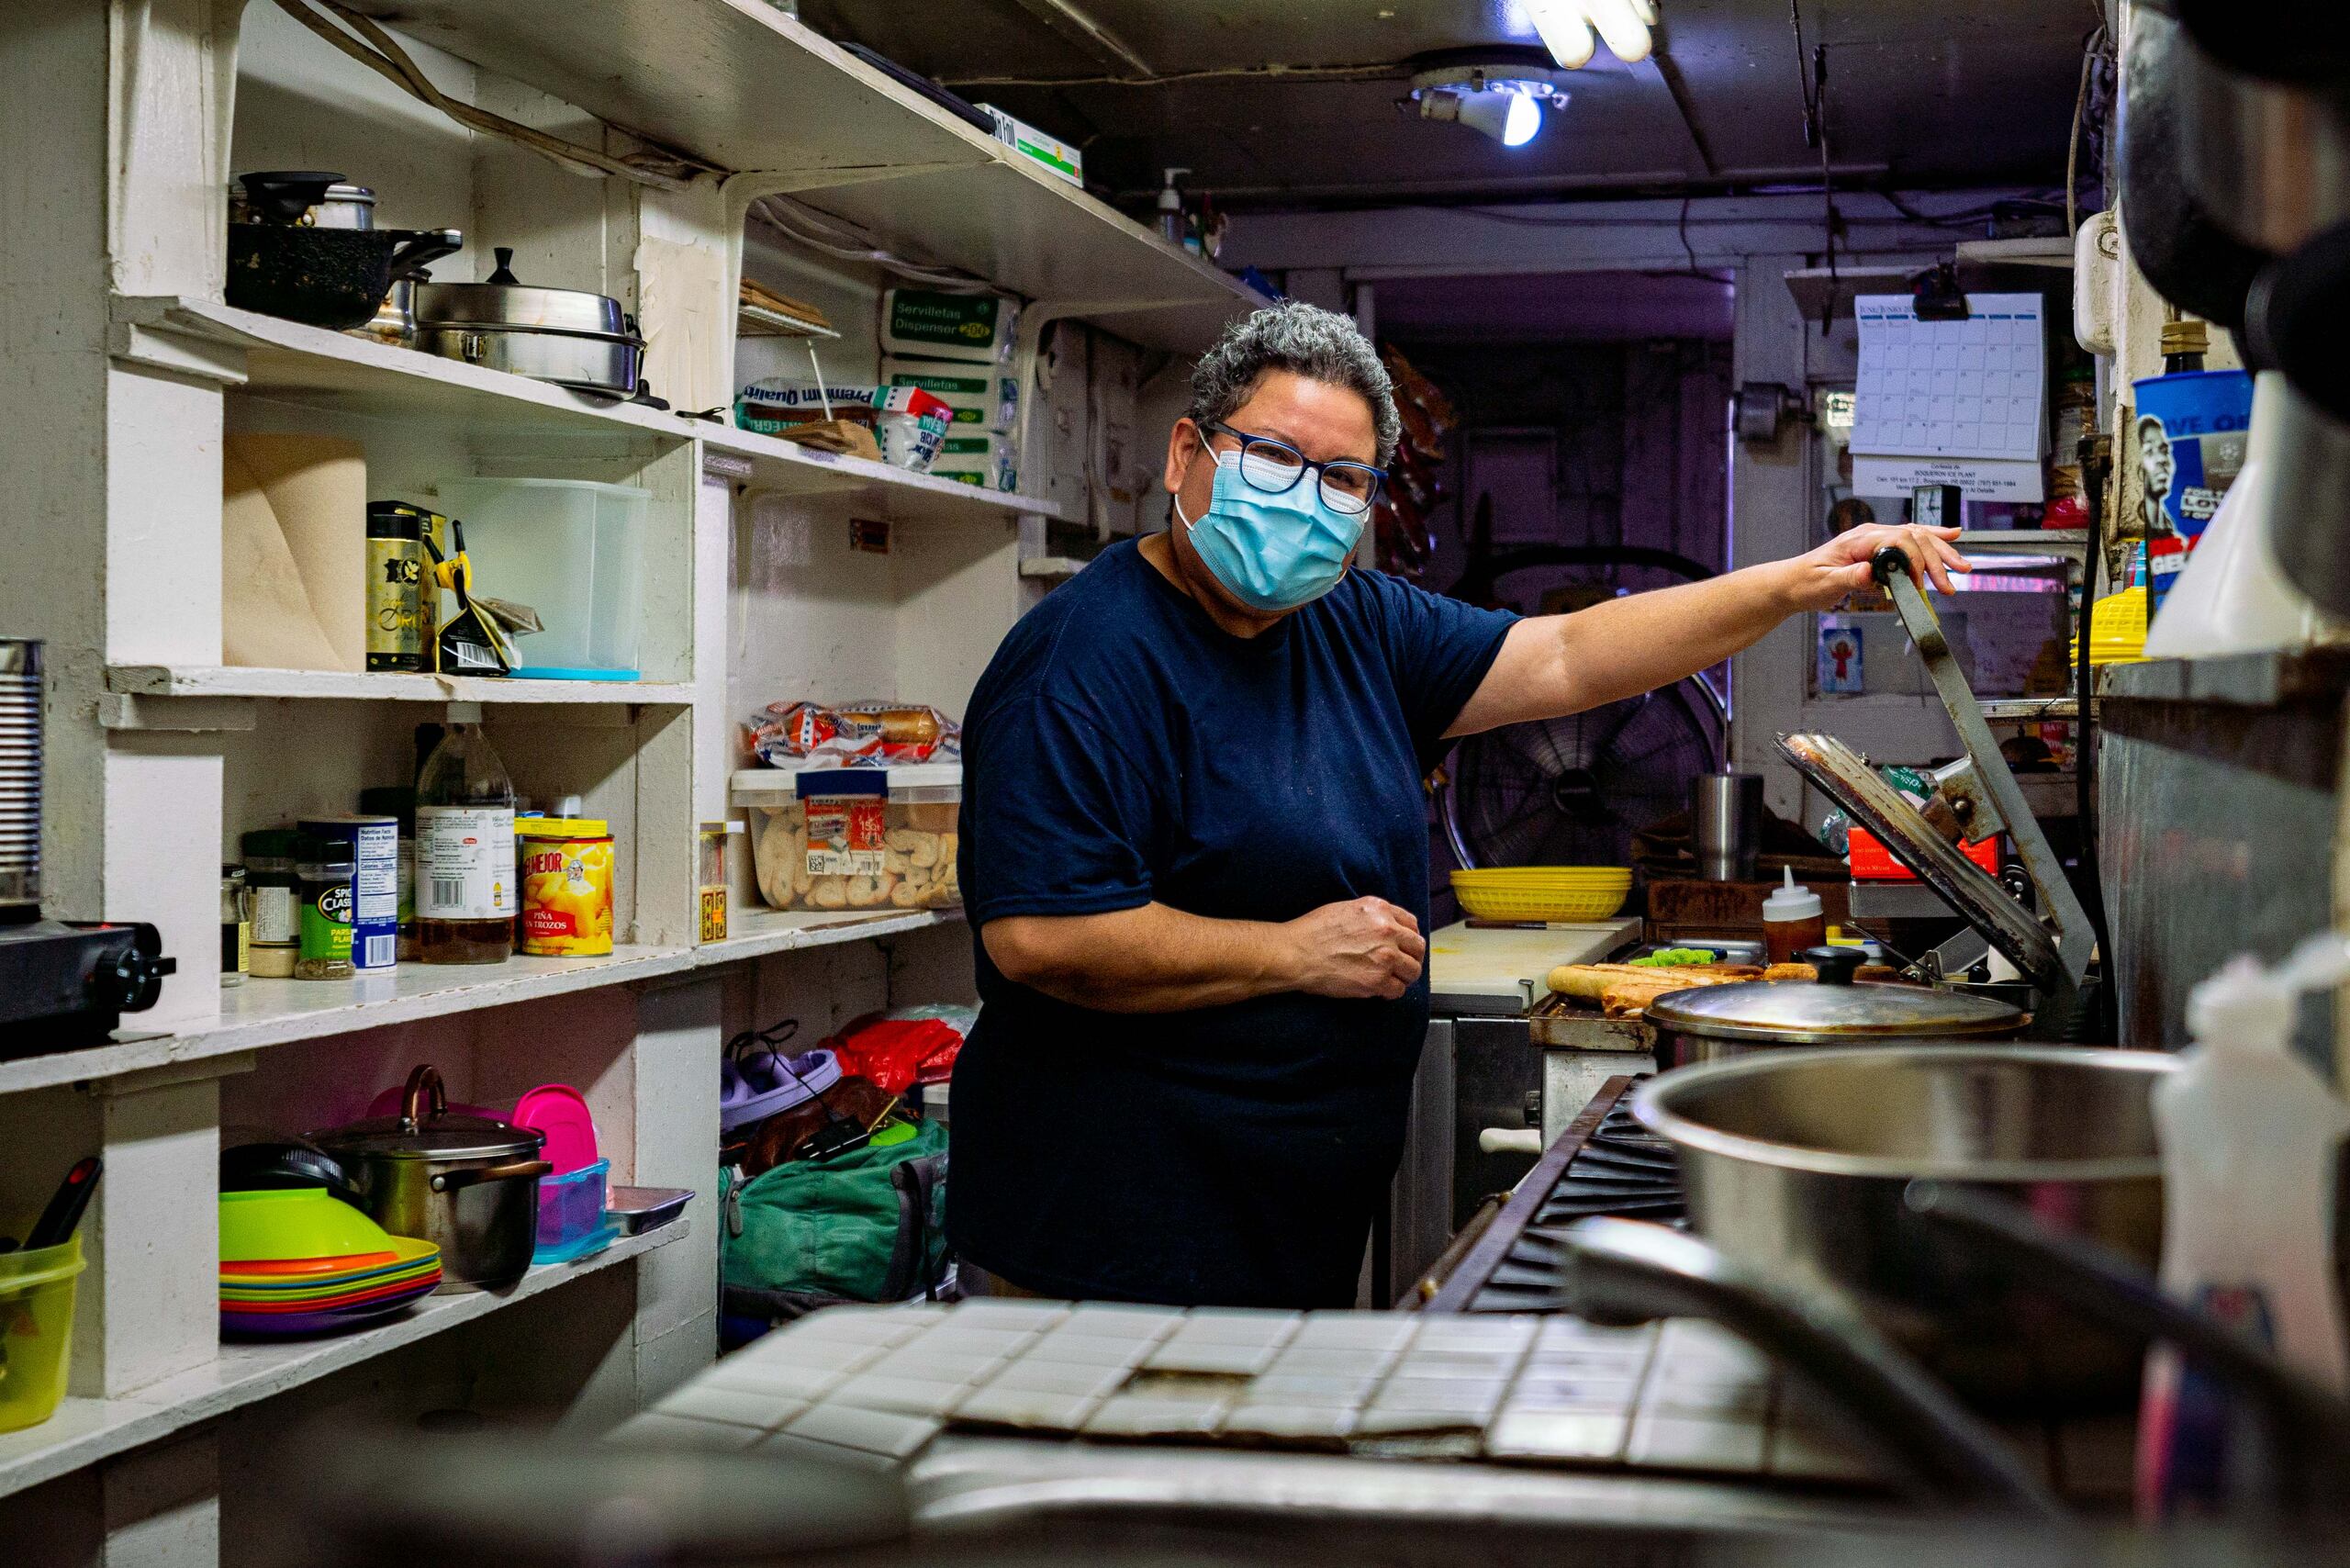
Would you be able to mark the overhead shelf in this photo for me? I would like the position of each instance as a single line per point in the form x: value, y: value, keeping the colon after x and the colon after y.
x: 85, y: 1431
x: 233, y: 680
x: 744, y: 86
x: 265, y: 1013
x: 293, y: 362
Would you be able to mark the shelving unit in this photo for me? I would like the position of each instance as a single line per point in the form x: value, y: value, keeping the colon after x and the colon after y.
x: 85, y: 1431
x: 234, y: 681
x: 762, y: 578
x: 706, y: 77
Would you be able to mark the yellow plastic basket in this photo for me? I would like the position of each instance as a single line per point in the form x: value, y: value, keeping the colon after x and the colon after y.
x: 1550, y: 894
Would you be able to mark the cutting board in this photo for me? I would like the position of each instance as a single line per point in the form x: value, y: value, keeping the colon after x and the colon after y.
x: 1484, y: 969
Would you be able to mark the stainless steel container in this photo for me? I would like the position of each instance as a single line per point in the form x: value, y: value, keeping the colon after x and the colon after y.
x: 568, y: 336
x: 20, y: 764
x: 1726, y: 818
x: 1714, y: 1023
x: 340, y: 204
x: 467, y: 1184
x: 1796, y: 1162
x: 585, y: 362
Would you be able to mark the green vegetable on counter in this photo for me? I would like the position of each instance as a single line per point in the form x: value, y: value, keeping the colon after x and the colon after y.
x: 1676, y: 958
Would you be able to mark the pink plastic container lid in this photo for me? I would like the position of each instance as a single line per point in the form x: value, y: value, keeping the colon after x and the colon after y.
x: 560, y: 1112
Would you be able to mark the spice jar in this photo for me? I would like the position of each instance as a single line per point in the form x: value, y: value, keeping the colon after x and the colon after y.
x: 273, y: 896
x: 236, y: 926
x: 328, y: 871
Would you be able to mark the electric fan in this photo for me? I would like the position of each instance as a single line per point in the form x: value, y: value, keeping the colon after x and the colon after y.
x: 1573, y: 792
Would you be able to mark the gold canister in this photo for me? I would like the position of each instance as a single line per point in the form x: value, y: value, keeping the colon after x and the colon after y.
x: 396, y: 639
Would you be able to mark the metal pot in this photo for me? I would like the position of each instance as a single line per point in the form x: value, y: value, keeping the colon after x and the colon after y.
x: 301, y: 198
x: 467, y: 1184
x: 1796, y: 1163
x: 568, y: 336
x: 1717, y: 1022
x: 327, y: 278
x: 582, y: 360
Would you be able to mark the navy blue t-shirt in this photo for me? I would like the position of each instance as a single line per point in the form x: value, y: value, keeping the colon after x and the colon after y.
x: 1122, y: 749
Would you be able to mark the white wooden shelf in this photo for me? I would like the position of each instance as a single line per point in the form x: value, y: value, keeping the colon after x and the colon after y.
x: 261, y: 1013
x: 87, y: 1430
x: 232, y: 680
x: 706, y: 77
x: 789, y: 468
x: 1051, y: 568
x: 290, y: 362
x: 757, y: 933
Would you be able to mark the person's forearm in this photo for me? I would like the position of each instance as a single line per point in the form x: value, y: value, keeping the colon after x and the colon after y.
x: 1621, y: 647
x: 1151, y: 959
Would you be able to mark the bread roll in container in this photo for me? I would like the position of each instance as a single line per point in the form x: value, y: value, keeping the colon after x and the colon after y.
x: 854, y: 838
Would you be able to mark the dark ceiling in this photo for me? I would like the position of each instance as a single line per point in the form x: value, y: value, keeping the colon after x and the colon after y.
x: 1920, y: 94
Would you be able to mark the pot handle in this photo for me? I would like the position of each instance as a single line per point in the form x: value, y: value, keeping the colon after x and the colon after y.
x: 475, y: 1175
x: 419, y: 246
x: 2308, y: 1428
x: 423, y: 1096
x: 1620, y: 1269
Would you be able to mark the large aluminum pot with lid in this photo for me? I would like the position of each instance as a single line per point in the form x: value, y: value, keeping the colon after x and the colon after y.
x: 1796, y: 1162
x: 1712, y: 1022
x: 568, y: 336
x: 467, y: 1184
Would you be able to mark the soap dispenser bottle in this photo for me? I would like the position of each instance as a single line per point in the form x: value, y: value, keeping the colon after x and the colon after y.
x: 2251, y: 1140
x: 1172, y: 224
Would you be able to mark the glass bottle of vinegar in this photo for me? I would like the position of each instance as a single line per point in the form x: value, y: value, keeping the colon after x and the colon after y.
x: 466, y: 879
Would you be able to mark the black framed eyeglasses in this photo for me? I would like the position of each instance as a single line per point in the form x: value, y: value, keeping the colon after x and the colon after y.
x: 1275, y: 467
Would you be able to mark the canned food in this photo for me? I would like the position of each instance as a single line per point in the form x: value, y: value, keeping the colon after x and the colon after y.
x: 566, y: 886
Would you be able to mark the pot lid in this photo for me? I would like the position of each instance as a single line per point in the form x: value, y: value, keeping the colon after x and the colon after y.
x: 446, y: 1137
x: 1832, y: 1010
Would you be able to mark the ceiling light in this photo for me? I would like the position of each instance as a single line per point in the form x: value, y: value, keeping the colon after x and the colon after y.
x: 1566, y: 27
x: 1501, y: 93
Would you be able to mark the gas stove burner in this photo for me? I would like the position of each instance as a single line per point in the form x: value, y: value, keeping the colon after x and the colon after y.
x: 1619, y: 1170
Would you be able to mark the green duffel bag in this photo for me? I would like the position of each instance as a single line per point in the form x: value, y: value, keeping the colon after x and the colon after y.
x: 832, y: 1228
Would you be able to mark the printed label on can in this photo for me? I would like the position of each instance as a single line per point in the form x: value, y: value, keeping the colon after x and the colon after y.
x: 326, y: 925
x: 395, y: 604
x: 375, y: 876
x: 465, y: 862
x: 567, y: 897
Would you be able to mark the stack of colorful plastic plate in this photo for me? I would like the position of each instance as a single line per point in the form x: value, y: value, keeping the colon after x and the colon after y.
x: 301, y: 1262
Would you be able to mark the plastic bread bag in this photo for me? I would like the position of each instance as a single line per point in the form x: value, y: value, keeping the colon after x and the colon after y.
x: 877, y: 733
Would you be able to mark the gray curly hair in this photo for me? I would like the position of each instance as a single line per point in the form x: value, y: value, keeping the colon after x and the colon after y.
x: 1304, y: 339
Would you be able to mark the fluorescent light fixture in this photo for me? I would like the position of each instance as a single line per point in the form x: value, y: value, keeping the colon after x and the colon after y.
x: 1566, y: 27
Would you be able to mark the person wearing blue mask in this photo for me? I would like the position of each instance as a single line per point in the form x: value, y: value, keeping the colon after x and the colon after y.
x: 1195, y: 849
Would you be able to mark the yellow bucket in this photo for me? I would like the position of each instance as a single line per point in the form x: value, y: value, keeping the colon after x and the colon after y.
x: 37, y: 1291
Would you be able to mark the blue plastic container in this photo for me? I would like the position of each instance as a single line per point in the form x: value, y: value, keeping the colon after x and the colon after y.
x: 571, y: 1214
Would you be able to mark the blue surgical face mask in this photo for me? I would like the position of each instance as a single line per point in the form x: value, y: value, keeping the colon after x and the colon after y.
x: 1274, y: 553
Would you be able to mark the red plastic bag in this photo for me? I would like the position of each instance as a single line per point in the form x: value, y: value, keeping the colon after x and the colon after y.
x: 897, y: 1053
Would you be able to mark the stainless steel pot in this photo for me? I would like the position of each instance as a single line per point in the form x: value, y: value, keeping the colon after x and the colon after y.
x: 302, y: 197
x: 1714, y: 1023
x: 583, y: 360
x: 1796, y: 1163
x: 467, y: 1184
x: 568, y: 336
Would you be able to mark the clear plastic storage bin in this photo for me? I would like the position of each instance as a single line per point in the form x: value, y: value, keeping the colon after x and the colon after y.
x: 571, y: 549
x: 854, y: 837
x: 571, y: 1213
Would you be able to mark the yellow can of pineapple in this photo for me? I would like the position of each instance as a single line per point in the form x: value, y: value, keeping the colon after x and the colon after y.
x: 566, y: 886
